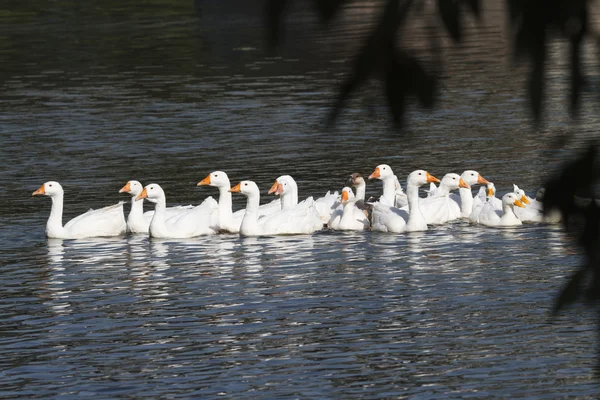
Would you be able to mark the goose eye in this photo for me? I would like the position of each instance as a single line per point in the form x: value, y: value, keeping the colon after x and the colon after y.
x: 245, y: 184
x: 50, y: 185
x: 216, y: 175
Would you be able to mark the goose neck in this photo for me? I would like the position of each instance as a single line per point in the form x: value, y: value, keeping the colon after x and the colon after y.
x: 389, y: 189
x: 360, y: 191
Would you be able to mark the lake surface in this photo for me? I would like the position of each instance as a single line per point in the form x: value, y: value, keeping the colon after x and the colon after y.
x: 93, y: 96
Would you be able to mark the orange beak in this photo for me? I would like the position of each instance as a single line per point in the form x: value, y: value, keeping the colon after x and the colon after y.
x: 274, y: 188
x: 431, y: 178
x: 490, y: 192
x: 345, y: 196
x: 204, y: 182
x: 39, y: 192
x: 481, y: 180
x: 524, y: 199
x: 143, y: 195
x: 376, y: 174
x: 237, y: 188
x: 463, y: 184
x: 126, y: 188
x: 518, y: 203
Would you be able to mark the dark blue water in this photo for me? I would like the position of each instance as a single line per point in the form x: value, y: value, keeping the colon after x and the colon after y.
x: 93, y: 97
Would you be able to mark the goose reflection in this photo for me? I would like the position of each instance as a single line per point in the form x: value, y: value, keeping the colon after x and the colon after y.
x: 55, y: 291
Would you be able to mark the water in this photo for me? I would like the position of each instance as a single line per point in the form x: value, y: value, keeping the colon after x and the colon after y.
x: 162, y: 94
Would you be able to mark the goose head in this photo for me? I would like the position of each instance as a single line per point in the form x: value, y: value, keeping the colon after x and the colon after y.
x: 153, y: 192
x: 50, y: 188
x: 356, y: 180
x: 473, y: 178
x: 491, y: 189
x: 512, y: 199
x: 245, y: 188
x: 420, y: 178
x: 382, y: 171
x: 521, y: 194
x: 454, y: 181
x: 216, y: 178
x: 283, y: 184
x: 347, y: 195
x: 132, y: 187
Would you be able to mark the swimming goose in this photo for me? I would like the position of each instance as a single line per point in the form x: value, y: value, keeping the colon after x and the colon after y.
x: 465, y: 197
x: 504, y: 218
x: 439, y: 208
x: 384, y: 173
x: 196, y: 221
x: 107, y: 221
x: 138, y: 221
x: 351, y: 217
x: 230, y: 221
x: 388, y: 218
x: 485, y: 195
x: 294, y: 221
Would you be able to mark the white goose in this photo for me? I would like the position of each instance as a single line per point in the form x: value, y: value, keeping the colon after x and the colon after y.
x: 138, y: 221
x: 351, y: 218
x: 230, y: 221
x: 323, y: 205
x: 465, y: 197
x: 294, y: 221
x: 504, y: 218
x: 439, y: 208
x: 197, y: 221
x: 531, y: 212
x: 388, y: 218
x: 384, y: 173
x: 107, y: 221
x: 486, y: 197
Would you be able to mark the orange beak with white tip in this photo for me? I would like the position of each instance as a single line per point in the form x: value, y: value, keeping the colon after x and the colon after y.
x: 277, y: 188
x: 376, y: 174
x: 143, y: 195
x: 204, y: 182
x: 518, y: 203
x: 237, y: 188
x: 39, y: 192
x: 126, y: 188
x: 481, y: 180
x: 431, y: 178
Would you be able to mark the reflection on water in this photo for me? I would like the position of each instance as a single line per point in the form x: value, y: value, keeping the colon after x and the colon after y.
x: 168, y: 96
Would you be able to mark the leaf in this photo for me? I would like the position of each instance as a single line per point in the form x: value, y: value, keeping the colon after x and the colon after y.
x: 450, y: 13
x: 570, y: 293
x: 274, y: 10
x: 327, y: 9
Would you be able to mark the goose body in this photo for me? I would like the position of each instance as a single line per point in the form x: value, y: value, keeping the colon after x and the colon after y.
x: 106, y: 221
x: 438, y: 208
x: 196, y: 221
x: 138, y: 221
x: 485, y: 198
x: 350, y: 217
x: 298, y: 220
x: 531, y: 212
x: 229, y: 221
x: 505, y: 218
x: 387, y: 218
x: 465, y: 196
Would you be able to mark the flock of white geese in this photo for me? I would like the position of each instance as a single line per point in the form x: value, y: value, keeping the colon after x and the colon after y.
x: 394, y: 211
